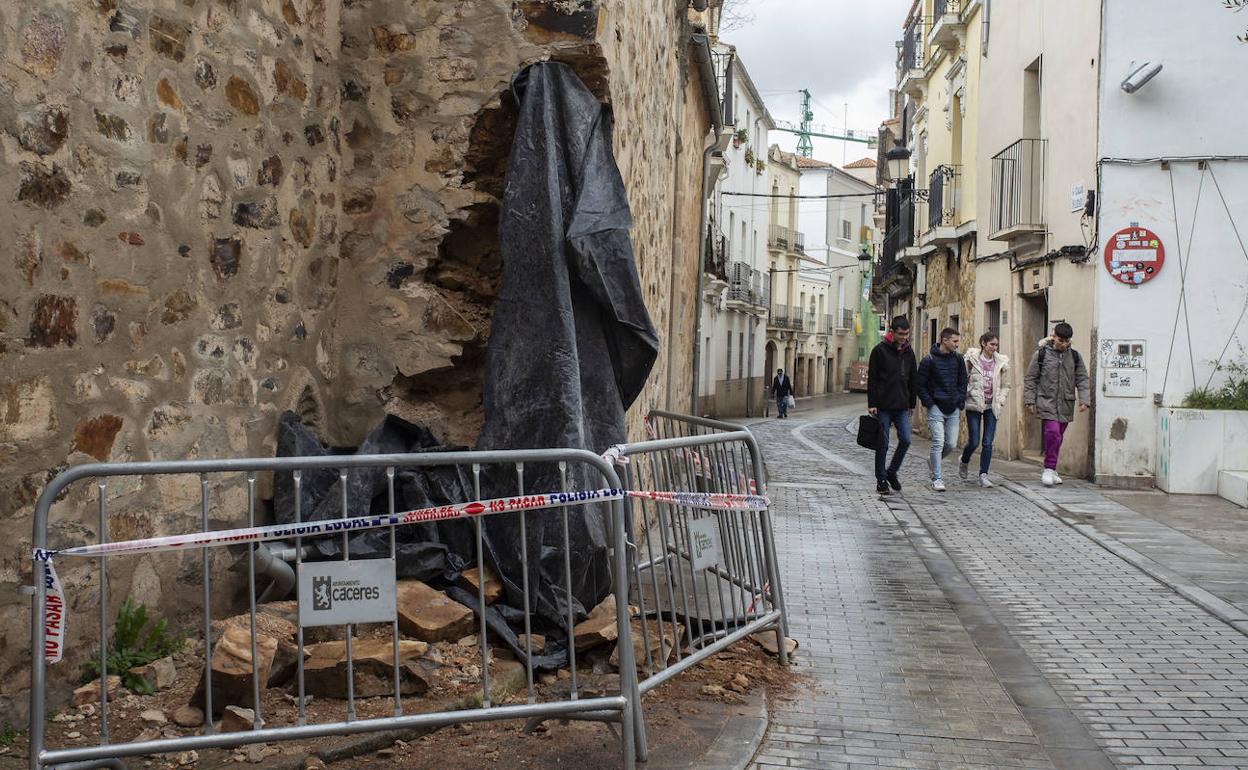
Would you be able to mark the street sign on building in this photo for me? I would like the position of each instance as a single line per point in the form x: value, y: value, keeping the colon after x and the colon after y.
x: 1134, y: 255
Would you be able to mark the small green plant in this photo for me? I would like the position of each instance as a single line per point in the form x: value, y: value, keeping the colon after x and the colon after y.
x: 1232, y: 395
x: 9, y: 734
x: 134, y: 645
x: 749, y: 157
x: 740, y: 137
x: 760, y: 166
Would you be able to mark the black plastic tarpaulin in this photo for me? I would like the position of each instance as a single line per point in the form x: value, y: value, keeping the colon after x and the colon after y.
x: 570, y: 347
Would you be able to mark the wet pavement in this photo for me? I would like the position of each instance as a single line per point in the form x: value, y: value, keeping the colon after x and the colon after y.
x: 995, y: 628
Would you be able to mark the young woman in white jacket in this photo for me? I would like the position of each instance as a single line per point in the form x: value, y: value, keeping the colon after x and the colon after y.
x: 986, y: 390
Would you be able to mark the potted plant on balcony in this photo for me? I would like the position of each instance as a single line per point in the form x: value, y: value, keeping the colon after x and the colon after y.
x: 759, y: 166
x: 749, y: 156
x: 740, y: 137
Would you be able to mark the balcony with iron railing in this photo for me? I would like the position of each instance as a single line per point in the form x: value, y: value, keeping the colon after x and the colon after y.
x: 788, y: 317
x: 721, y: 62
x: 786, y: 239
x: 942, y: 202
x: 913, y: 58
x: 947, y: 25
x: 748, y: 287
x: 716, y: 261
x: 1017, y: 205
x: 844, y: 320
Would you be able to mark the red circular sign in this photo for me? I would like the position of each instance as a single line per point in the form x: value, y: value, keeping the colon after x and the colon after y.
x: 1134, y: 255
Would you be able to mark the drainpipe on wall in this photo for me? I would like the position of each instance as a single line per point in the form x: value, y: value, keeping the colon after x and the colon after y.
x: 750, y: 321
x: 716, y: 143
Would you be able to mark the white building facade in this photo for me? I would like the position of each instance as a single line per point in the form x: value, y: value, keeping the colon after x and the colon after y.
x: 1035, y: 160
x: 736, y: 298
x: 1171, y: 267
x: 850, y: 232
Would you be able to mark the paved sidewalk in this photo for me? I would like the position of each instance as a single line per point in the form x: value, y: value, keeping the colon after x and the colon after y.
x: 974, y: 629
x: 900, y: 682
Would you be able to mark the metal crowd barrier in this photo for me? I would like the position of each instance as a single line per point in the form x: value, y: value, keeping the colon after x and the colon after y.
x: 702, y: 579
x: 621, y: 707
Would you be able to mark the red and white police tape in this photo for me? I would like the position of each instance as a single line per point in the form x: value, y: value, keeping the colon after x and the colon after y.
x: 54, y: 604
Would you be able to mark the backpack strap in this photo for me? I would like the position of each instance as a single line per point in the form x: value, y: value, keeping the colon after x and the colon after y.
x: 1040, y: 360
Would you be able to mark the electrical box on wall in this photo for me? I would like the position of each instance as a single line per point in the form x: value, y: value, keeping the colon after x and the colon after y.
x: 1123, y: 373
x: 1033, y: 280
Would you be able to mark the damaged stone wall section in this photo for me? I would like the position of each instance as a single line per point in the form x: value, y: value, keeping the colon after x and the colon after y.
x: 224, y: 210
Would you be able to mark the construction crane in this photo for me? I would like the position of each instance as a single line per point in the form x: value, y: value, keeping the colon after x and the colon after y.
x: 806, y: 130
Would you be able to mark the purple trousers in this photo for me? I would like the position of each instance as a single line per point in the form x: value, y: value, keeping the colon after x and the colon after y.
x: 1053, y: 433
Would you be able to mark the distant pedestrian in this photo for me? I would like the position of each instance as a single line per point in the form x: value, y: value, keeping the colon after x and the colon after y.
x: 781, y: 389
x: 986, y: 389
x: 941, y: 385
x: 890, y: 398
x: 1054, y: 376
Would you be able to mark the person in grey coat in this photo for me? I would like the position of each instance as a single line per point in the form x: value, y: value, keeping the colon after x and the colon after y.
x: 1054, y: 376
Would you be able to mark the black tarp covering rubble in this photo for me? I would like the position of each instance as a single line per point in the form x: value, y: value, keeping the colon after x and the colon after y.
x: 570, y: 349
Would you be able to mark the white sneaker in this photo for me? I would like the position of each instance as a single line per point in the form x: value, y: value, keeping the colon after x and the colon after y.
x: 964, y: 470
x: 1046, y: 478
x: 938, y: 485
x: 983, y: 481
x: 1056, y: 479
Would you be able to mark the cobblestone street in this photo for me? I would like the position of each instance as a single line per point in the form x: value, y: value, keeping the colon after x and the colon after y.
x: 971, y: 629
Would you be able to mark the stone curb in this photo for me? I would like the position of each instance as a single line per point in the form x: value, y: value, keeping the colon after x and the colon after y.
x: 1220, y: 609
x: 737, y: 743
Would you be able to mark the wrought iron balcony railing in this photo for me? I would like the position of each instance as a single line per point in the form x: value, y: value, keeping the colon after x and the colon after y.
x: 1017, y: 204
x: 942, y: 204
x: 781, y: 237
x: 716, y: 262
x: 913, y: 44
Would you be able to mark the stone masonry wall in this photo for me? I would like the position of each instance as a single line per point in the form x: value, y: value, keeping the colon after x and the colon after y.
x: 950, y: 280
x: 218, y: 210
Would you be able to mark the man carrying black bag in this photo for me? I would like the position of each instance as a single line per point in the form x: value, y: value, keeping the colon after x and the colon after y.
x: 890, y: 398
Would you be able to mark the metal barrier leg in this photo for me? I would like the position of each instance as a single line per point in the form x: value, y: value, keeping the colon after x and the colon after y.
x: 633, y: 726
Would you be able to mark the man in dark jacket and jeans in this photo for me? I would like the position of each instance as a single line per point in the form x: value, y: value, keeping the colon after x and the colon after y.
x: 941, y: 385
x: 890, y: 398
x: 781, y: 389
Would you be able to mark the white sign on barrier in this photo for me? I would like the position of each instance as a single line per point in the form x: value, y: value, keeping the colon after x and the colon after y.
x: 335, y: 593
x: 704, y: 539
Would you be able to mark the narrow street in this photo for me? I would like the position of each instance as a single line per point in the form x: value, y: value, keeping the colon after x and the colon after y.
x: 972, y: 629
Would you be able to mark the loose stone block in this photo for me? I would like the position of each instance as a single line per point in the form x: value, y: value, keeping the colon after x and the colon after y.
x: 430, y: 615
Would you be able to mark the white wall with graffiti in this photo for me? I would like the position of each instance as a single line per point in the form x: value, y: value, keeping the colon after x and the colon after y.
x: 1172, y: 226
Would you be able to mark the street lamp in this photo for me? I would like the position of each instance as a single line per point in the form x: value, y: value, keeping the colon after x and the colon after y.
x: 898, y: 160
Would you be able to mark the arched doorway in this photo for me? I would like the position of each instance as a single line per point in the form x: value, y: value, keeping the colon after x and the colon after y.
x: 769, y: 368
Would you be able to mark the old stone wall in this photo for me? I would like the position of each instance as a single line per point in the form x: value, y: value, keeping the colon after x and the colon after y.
x: 950, y: 291
x: 649, y: 131
x: 219, y: 210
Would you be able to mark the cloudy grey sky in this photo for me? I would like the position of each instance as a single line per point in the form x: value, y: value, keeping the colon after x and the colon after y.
x: 842, y: 50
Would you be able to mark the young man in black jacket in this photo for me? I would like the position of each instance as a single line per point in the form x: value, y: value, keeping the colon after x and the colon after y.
x: 890, y: 398
x: 941, y: 386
